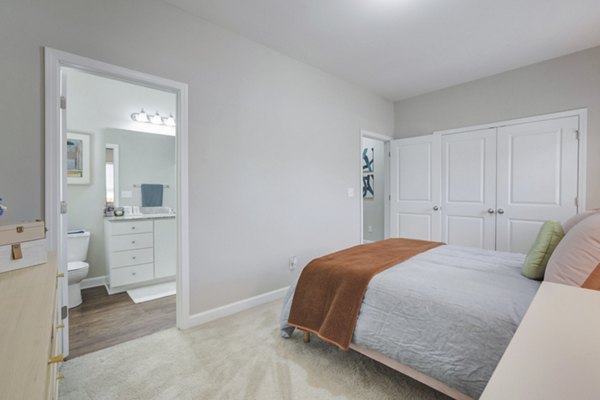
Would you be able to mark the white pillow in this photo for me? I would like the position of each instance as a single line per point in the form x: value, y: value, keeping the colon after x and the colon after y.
x: 574, y: 220
x: 577, y: 255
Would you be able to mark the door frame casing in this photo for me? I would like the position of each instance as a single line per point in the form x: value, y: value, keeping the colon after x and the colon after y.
x: 386, y: 179
x: 54, y: 61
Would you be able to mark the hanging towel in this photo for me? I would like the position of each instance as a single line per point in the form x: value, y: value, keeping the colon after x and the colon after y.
x: 152, y: 195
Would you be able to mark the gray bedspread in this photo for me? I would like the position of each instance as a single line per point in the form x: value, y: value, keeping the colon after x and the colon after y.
x: 449, y: 312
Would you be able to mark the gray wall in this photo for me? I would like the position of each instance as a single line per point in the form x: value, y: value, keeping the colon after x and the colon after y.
x: 260, y: 189
x: 373, y: 209
x: 143, y: 158
x: 560, y: 84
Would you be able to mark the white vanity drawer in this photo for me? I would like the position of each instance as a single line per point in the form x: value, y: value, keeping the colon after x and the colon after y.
x: 126, y: 228
x: 131, y: 257
x: 130, y: 275
x: 131, y: 242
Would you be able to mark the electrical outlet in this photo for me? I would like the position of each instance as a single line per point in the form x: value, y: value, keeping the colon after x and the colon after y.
x: 292, y: 262
x: 370, y: 229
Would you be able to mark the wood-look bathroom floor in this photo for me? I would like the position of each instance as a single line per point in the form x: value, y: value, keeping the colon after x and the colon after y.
x: 102, y: 321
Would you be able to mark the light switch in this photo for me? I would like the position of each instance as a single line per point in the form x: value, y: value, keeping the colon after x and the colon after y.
x: 126, y: 194
x: 350, y: 192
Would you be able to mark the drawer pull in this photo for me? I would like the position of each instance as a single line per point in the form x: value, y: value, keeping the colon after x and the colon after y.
x: 133, y: 273
x: 134, y: 257
x: 133, y: 242
x: 17, y: 254
x: 61, y: 275
x: 56, y: 359
x: 133, y: 227
x: 60, y: 377
x: 60, y: 326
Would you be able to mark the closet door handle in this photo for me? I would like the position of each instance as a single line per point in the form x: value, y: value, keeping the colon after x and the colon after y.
x: 435, y: 208
x: 491, y: 210
x: 500, y: 211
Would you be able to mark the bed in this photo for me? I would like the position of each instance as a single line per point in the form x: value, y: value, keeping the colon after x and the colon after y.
x: 443, y: 317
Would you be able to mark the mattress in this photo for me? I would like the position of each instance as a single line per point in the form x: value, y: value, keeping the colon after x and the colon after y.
x: 449, y: 313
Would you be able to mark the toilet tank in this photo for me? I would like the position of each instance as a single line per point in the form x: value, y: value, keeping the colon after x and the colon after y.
x: 77, y: 245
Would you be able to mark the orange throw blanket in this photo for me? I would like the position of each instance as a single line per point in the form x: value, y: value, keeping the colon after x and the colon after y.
x: 331, y: 288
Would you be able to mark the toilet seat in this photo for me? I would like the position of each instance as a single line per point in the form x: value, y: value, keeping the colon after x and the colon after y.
x: 75, y: 265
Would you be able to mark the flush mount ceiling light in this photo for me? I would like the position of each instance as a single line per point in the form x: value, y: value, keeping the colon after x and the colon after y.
x: 155, y: 119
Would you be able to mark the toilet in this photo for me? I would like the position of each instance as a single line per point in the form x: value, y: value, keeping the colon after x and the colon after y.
x: 77, y: 248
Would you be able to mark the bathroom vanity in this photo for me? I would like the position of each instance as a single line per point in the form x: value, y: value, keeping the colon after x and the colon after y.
x: 140, y: 250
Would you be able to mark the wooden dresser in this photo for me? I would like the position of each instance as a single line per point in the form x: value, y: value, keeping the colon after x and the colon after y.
x: 28, y: 345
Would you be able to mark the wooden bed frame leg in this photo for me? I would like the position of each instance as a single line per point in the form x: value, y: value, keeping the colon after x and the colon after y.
x: 306, y: 337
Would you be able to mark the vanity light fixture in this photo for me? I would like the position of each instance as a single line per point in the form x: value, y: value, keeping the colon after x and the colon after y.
x: 140, y: 117
x: 155, y: 119
x: 169, y: 121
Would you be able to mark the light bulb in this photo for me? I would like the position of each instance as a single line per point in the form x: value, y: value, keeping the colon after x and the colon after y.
x: 156, y: 119
x: 169, y: 121
x: 140, y: 117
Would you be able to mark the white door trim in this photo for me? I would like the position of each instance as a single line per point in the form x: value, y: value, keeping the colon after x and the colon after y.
x: 582, y: 113
x: 54, y: 61
x: 386, y: 191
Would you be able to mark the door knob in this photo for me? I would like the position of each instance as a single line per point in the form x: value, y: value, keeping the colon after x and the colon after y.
x: 500, y: 211
x: 435, y: 208
x: 491, y: 210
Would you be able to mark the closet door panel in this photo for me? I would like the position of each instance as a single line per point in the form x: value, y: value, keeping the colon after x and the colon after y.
x: 469, y: 188
x: 415, y: 188
x: 537, y: 179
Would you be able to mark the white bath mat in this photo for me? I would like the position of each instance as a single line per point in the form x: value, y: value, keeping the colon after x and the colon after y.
x: 152, y: 292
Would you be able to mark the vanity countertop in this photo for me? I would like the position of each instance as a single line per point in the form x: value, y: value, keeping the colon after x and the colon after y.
x: 140, y: 217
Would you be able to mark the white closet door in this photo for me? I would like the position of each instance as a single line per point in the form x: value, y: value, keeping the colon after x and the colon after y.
x: 537, y: 179
x: 469, y: 189
x: 415, y: 188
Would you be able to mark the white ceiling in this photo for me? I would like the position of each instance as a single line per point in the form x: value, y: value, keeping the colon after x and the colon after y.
x: 402, y: 48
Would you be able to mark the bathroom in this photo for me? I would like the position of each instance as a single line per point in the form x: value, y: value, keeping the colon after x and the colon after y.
x: 122, y: 221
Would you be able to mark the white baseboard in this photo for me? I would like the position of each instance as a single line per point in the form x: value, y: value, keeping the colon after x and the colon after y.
x: 234, y: 308
x: 93, y: 282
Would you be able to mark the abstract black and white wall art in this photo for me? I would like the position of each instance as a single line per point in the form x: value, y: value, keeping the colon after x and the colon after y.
x: 368, y: 167
x: 368, y: 160
x: 368, y: 186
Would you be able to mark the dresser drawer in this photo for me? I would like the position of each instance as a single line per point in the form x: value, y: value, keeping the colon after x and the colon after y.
x: 129, y: 275
x: 131, y: 242
x: 126, y: 228
x: 131, y: 257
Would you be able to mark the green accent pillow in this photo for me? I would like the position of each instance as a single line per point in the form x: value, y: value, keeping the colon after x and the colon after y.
x: 547, y: 239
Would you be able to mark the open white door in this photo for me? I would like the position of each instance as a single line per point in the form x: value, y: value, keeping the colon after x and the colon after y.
x: 63, y: 284
x: 415, y: 188
x: 537, y: 179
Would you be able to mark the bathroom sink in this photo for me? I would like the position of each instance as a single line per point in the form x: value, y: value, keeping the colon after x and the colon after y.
x: 157, y: 210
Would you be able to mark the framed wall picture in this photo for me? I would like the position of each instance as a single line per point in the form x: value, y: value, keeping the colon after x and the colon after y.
x: 78, y: 158
x: 368, y: 186
x: 368, y: 159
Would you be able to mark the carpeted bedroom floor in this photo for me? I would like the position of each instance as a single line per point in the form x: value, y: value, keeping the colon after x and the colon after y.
x: 239, y: 357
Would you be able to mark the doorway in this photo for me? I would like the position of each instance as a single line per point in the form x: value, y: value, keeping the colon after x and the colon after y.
x: 118, y: 265
x: 374, y: 175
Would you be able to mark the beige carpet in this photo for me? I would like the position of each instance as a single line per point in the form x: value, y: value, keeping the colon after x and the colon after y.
x: 239, y: 357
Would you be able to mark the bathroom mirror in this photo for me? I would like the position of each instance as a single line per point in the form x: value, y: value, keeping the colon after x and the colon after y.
x: 134, y: 159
